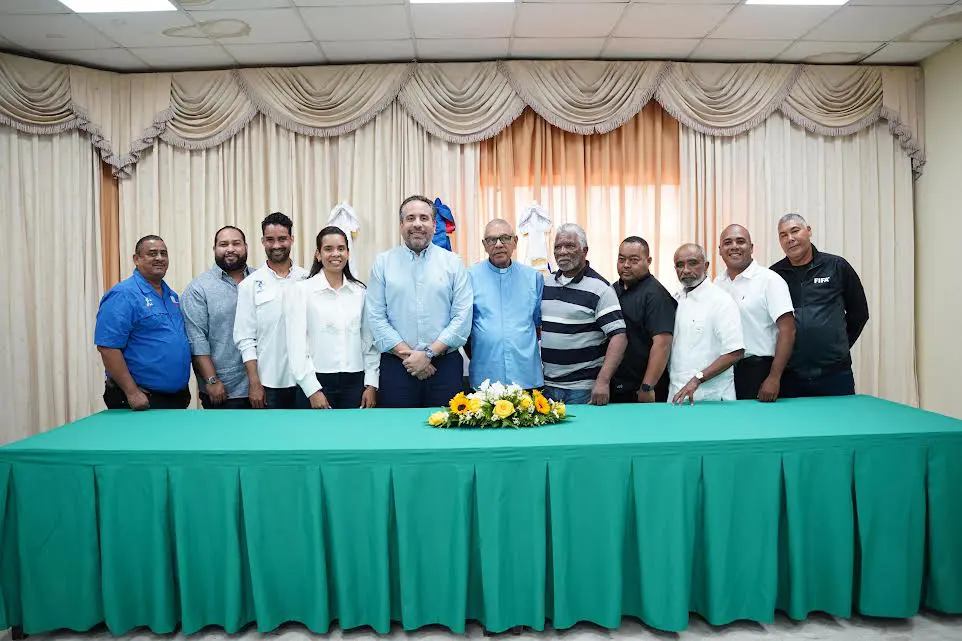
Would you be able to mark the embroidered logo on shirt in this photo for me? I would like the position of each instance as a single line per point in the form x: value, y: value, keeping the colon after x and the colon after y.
x: 174, y: 300
x: 148, y: 302
x: 260, y: 285
x: 822, y: 280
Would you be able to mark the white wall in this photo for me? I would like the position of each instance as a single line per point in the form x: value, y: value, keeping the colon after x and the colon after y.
x: 938, y: 238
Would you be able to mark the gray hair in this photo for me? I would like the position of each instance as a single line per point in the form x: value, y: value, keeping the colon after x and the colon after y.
x: 571, y: 228
x: 698, y: 248
x: 792, y: 218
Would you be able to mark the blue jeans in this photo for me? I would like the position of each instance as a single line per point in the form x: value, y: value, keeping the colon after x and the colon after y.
x: 568, y: 396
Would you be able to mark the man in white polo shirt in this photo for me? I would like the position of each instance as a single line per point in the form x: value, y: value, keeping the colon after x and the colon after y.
x: 259, y: 327
x: 768, y: 321
x: 708, y: 334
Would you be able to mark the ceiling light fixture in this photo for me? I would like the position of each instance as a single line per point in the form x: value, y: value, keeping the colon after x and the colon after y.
x: 800, y: 3
x: 117, y: 6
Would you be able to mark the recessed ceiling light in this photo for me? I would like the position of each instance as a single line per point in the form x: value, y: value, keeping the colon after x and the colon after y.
x: 800, y: 3
x: 455, y: 1
x: 117, y: 6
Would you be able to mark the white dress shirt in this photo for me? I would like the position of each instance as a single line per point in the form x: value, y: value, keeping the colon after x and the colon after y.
x: 327, y: 332
x: 707, y: 325
x: 259, y: 330
x: 762, y: 297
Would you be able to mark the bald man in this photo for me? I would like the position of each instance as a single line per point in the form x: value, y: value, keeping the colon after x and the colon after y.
x: 506, y: 319
x: 708, y: 334
x: 768, y: 322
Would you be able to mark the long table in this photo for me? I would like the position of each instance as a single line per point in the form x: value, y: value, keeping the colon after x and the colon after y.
x: 170, y: 519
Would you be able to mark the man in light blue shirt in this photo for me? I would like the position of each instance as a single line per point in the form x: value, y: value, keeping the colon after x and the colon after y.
x: 507, y: 314
x: 419, y: 309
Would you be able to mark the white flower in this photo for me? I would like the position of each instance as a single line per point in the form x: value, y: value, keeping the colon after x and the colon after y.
x: 514, y: 388
x: 485, y: 384
x: 496, y: 390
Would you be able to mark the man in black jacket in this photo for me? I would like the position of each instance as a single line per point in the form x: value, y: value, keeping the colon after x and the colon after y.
x: 830, y: 312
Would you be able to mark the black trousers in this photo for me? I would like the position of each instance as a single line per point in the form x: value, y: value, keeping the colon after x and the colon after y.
x: 229, y: 404
x: 837, y: 383
x: 342, y: 390
x: 282, y: 398
x: 750, y: 373
x: 400, y: 389
x: 115, y: 399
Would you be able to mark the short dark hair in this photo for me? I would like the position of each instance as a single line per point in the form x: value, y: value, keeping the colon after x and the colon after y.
x: 277, y: 218
x: 140, y: 243
x: 237, y: 229
x: 637, y: 240
x: 418, y: 197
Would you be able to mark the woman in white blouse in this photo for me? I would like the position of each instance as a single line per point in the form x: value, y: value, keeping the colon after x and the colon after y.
x: 331, y: 350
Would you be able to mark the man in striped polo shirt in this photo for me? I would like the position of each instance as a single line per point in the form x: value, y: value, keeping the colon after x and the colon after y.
x: 582, y: 329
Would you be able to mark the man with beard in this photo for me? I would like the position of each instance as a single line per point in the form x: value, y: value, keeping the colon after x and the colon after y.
x: 830, y: 311
x: 582, y: 329
x: 210, y: 302
x: 650, y: 319
x: 708, y: 334
x: 766, y: 310
x: 140, y: 336
x: 259, y: 327
x: 419, y: 308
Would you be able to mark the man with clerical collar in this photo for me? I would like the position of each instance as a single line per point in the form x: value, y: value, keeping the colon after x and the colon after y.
x: 768, y: 324
x: 506, y: 321
x: 649, y: 312
x: 708, y: 334
x: 582, y: 328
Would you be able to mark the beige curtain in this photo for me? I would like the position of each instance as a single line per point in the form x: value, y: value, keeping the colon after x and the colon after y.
x: 614, y: 185
x: 185, y: 196
x: 855, y: 192
x: 49, y: 202
x: 109, y: 225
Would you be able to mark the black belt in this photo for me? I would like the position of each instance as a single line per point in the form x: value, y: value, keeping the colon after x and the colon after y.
x: 757, y: 359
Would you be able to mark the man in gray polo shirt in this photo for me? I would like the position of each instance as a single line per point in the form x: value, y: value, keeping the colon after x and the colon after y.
x: 583, y: 335
x: 208, y: 306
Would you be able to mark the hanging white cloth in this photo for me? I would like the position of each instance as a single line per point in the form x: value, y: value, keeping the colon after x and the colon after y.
x: 535, y: 223
x: 343, y: 216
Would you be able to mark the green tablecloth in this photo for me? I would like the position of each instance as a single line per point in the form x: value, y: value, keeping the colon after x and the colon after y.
x: 730, y: 510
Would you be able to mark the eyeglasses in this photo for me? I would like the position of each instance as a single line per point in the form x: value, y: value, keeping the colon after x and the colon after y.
x: 491, y: 241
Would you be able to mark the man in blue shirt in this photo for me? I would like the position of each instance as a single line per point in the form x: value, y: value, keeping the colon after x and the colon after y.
x: 140, y: 336
x: 507, y: 314
x: 419, y: 309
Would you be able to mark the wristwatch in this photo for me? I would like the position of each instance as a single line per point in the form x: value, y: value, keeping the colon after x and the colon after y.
x: 700, y: 376
x: 430, y: 353
x: 645, y: 387
x: 211, y: 380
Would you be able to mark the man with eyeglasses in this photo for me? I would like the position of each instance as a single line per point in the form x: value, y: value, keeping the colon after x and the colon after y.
x: 506, y: 324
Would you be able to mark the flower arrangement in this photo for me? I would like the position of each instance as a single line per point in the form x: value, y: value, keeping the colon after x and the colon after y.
x: 498, y: 405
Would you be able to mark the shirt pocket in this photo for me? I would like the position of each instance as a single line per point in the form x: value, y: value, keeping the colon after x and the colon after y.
x: 152, y: 320
x: 264, y: 296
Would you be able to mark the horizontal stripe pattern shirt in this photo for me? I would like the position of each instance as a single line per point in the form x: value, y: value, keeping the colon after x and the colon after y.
x: 578, y: 316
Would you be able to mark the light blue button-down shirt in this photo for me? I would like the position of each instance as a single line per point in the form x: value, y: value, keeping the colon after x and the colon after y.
x: 418, y: 299
x: 507, y: 311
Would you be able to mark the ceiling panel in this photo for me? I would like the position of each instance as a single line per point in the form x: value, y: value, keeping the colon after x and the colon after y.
x: 567, y: 20
x: 771, y: 22
x: 462, y: 20
x: 665, y: 21
x: 344, y: 3
x: 263, y: 26
x: 291, y: 53
x: 828, y: 52
x: 200, y: 57
x: 905, y: 52
x: 463, y: 49
x: 146, y: 29
x: 360, y: 51
x: 50, y: 32
x: 557, y: 48
x: 230, y: 5
x: 117, y: 59
x: 946, y: 25
x: 357, y: 24
x: 904, y: 3
x: 32, y: 6
x: 858, y: 24
x: 650, y: 48
x: 738, y: 50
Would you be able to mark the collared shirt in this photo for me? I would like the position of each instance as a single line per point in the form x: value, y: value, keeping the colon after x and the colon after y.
x: 707, y: 325
x: 507, y: 311
x: 209, y: 304
x: 419, y: 298
x: 577, y: 319
x: 259, y: 331
x: 148, y: 329
x: 649, y: 310
x: 762, y: 297
x: 327, y: 332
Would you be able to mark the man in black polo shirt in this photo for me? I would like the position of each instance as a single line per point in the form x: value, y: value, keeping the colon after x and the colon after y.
x: 830, y: 313
x: 649, y: 312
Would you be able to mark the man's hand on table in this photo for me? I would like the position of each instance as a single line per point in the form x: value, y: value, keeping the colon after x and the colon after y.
x: 688, y: 391
x: 138, y: 401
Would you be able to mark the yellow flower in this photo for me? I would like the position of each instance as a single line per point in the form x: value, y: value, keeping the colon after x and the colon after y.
x: 459, y: 404
x: 503, y: 409
x: 560, y: 409
x: 437, y: 418
x: 541, y: 404
x: 474, y: 404
x: 526, y: 402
